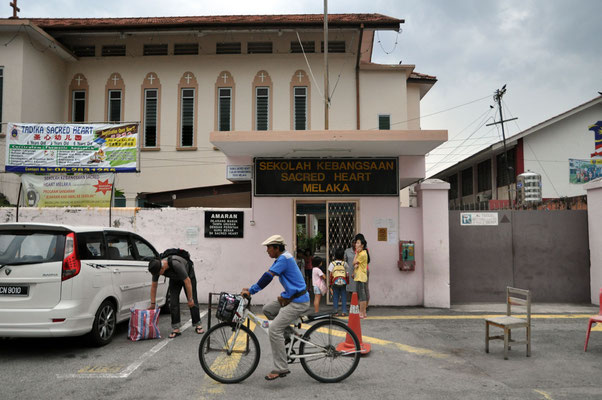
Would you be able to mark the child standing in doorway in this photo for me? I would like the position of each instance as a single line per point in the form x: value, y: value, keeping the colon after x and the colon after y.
x: 318, y: 281
x: 338, y: 281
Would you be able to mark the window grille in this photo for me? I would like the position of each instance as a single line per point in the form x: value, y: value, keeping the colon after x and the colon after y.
x: 84, y: 51
x: 187, y: 121
x: 262, y: 108
x: 227, y: 48
x: 150, y: 117
x: 309, y: 47
x: 1, y: 93
x: 300, y: 111
x: 505, y: 177
x: 185, y: 49
x: 79, y: 106
x: 224, y: 111
x: 259, y: 47
x: 384, y: 122
x: 114, y: 106
x: 484, y: 176
x: 113, y: 51
x: 453, y: 189
x: 334, y: 46
x: 467, y: 188
x: 155, y: 49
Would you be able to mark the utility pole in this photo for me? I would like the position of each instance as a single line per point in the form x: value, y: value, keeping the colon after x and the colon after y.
x: 497, y: 97
x: 326, y: 94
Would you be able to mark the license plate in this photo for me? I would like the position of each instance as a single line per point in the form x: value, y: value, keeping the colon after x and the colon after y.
x: 14, y: 290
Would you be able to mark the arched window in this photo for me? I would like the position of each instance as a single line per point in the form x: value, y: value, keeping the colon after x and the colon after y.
x: 151, y: 112
x: 115, y: 94
x: 300, y: 104
x: 224, y: 100
x: 78, y: 102
x: 262, y: 102
x: 187, y: 116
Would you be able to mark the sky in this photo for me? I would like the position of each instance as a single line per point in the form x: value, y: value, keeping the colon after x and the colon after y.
x: 548, y: 53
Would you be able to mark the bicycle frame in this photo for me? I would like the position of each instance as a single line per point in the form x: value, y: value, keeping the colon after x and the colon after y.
x: 243, y: 314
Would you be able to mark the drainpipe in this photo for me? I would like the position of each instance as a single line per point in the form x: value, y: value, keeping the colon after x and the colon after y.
x: 357, y: 77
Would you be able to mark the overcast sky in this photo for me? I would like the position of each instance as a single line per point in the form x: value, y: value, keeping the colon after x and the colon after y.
x: 547, y: 52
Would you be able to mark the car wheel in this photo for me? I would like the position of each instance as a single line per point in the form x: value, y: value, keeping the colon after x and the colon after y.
x: 104, y: 325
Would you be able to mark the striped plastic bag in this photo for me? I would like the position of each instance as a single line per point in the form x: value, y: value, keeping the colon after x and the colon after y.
x: 143, y: 324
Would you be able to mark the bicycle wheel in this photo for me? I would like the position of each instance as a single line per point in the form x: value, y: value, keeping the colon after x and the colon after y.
x: 321, y: 359
x: 225, y: 366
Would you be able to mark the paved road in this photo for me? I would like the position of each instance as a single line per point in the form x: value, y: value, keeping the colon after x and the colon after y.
x: 416, y: 353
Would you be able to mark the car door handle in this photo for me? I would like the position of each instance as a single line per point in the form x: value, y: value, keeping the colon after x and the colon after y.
x: 116, y: 271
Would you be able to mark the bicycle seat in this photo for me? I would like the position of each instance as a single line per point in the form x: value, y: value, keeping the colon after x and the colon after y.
x: 317, y: 316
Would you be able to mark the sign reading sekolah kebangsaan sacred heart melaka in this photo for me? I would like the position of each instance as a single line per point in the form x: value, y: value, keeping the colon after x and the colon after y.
x: 84, y: 148
x: 326, y: 177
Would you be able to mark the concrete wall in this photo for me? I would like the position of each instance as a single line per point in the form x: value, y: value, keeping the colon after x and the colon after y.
x: 545, y: 252
x: 231, y: 264
x: 594, y: 217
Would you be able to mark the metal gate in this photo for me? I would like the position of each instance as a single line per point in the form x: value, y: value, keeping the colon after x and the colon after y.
x: 341, y: 225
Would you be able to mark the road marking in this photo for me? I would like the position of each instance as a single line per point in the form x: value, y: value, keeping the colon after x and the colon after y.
x: 544, y: 394
x: 598, y: 328
x: 225, y: 362
x: 420, y: 351
x: 82, y: 373
x: 482, y: 316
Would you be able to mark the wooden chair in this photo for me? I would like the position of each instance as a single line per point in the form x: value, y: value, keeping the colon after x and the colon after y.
x: 595, y: 319
x: 514, y: 297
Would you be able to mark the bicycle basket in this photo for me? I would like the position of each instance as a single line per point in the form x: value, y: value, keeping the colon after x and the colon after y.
x: 226, y: 307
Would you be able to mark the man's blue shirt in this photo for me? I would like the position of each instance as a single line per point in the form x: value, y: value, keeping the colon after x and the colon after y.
x: 291, y: 279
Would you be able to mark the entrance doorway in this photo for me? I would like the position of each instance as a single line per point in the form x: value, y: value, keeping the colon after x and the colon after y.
x: 323, y: 226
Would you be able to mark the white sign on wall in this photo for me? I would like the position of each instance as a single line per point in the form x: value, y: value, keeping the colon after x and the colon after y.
x: 478, y: 218
x: 239, y: 173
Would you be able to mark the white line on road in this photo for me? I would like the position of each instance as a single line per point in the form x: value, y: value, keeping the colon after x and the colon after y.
x: 133, y: 366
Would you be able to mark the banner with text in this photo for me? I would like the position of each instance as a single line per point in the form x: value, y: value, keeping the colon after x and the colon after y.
x: 71, y: 148
x: 60, y: 190
x: 326, y: 177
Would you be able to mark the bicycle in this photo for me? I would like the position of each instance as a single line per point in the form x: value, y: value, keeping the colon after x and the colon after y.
x: 329, y: 351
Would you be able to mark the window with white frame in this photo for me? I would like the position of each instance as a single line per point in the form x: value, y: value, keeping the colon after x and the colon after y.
x: 151, y: 112
x: 262, y: 106
x: 224, y: 109
x: 300, y: 110
x: 114, y: 106
x: 78, y: 106
x: 187, y: 117
x: 384, y: 122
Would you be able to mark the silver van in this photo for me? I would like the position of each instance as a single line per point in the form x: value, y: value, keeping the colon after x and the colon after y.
x: 60, y: 280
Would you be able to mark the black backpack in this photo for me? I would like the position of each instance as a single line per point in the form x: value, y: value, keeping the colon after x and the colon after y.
x: 178, y: 252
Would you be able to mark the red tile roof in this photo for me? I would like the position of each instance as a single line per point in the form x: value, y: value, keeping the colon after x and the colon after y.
x: 223, y: 21
x: 419, y: 76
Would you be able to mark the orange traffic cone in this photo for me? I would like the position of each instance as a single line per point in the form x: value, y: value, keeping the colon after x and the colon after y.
x: 354, y: 324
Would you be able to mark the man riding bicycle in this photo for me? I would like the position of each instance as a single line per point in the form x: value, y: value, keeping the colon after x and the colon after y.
x: 291, y: 304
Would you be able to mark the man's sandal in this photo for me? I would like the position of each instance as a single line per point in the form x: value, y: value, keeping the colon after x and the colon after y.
x: 174, y: 334
x: 199, y: 330
x: 276, y: 374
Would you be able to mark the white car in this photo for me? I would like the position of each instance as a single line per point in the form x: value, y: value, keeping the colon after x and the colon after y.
x: 59, y: 280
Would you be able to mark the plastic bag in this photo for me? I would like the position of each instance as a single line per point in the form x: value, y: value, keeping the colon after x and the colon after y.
x: 143, y: 324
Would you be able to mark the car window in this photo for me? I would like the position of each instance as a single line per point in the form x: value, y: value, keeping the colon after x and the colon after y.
x: 145, y: 250
x: 30, y: 247
x: 90, y: 246
x: 118, y: 247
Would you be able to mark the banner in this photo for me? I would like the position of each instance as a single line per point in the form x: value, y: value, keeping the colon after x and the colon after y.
x: 60, y: 190
x: 583, y: 171
x: 71, y: 148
